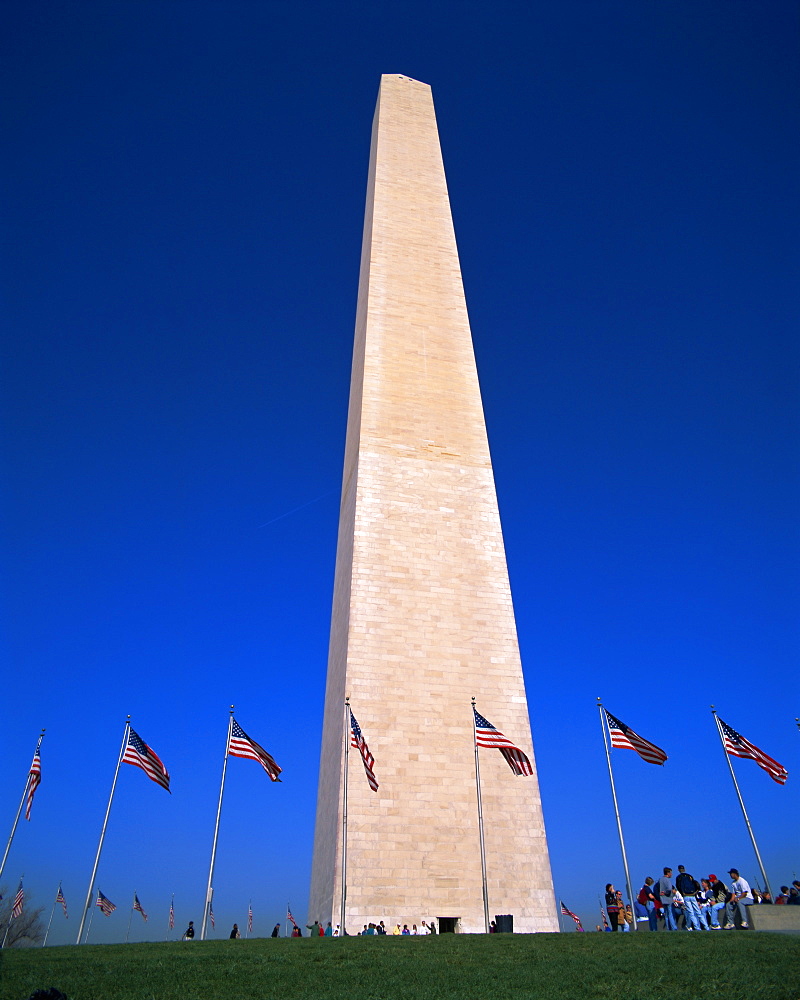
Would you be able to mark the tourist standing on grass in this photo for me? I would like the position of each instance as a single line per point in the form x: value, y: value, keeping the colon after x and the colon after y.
x: 314, y: 928
x: 188, y: 934
x: 612, y: 906
x: 664, y: 891
x: 648, y: 900
x: 688, y: 887
x: 741, y: 898
x: 276, y: 930
x: 234, y: 933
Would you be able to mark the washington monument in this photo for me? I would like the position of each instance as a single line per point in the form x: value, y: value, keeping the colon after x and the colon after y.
x: 422, y: 616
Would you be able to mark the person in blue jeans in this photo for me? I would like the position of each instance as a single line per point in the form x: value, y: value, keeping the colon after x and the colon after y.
x: 741, y: 898
x: 720, y: 895
x: 665, y: 888
x: 648, y: 900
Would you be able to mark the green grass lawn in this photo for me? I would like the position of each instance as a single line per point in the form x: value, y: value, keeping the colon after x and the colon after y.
x: 734, y: 966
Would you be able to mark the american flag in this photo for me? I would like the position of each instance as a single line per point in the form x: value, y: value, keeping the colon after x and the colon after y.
x: 172, y: 915
x: 105, y: 904
x: 289, y: 917
x: 250, y: 919
x: 625, y: 738
x: 34, y: 779
x: 60, y: 899
x: 357, y: 740
x: 138, y: 753
x: 603, y: 915
x: 19, y: 900
x: 568, y: 913
x: 138, y: 906
x: 240, y: 745
x: 487, y: 736
x: 738, y: 746
x: 211, y: 914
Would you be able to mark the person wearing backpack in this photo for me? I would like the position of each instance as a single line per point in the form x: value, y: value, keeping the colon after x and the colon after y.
x: 687, y: 886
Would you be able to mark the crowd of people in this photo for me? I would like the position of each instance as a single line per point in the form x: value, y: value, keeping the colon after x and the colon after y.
x: 369, y: 930
x: 683, y: 903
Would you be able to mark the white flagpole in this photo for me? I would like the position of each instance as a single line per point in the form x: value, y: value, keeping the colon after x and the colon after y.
x: 19, y: 811
x: 89, y: 891
x: 52, y: 911
x: 480, y: 823
x: 741, y: 803
x: 347, y: 729
x: 89, y: 928
x: 603, y: 726
x: 209, y: 888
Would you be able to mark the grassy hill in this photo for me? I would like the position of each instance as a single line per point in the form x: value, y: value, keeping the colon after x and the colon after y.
x: 730, y: 965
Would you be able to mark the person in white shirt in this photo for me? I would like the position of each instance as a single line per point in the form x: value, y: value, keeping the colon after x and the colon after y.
x: 741, y: 898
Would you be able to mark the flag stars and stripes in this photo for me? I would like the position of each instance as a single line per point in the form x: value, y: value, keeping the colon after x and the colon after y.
x: 624, y: 738
x: 487, y: 736
x: 240, y: 745
x: 138, y: 753
x: 105, y: 904
x: 19, y: 902
x: 737, y: 746
x: 34, y: 780
x: 568, y: 913
x: 138, y: 906
x: 359, y: 743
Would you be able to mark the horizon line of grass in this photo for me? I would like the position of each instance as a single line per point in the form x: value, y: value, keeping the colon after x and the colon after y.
x: 753, y: 965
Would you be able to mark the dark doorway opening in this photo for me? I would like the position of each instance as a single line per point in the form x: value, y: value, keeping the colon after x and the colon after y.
x: 448, y: 925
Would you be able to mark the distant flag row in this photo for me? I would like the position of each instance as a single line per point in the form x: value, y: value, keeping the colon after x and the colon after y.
x: 623, y: 737
x: 107, y: 907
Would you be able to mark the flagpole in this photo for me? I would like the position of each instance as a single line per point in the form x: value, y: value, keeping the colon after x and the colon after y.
x: 130, y: 918
x: 51, y: 917
x: 88, y: 902
x: 19, y: 811
x: 209, y: 889
x: 347, y: 728
x: 741, y: 803
x: 480, y: 823
x: 603, y: 726
x: 89, y: 928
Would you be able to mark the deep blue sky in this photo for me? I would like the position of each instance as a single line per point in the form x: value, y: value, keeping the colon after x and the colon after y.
x: 184, y: 186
